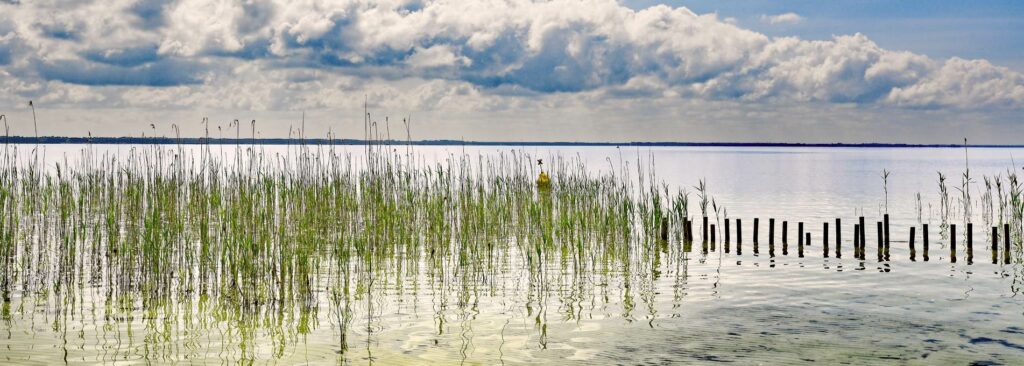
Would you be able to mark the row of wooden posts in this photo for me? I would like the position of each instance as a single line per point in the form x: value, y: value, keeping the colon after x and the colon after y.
x: 859, y: 239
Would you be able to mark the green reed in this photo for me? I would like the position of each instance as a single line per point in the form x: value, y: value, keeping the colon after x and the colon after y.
x: 247, y: 243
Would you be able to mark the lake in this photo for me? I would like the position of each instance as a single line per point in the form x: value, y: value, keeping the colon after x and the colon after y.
x: 487, y: 300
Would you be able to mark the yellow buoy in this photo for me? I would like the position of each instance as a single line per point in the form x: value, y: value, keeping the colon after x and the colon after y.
x: 543, y: 181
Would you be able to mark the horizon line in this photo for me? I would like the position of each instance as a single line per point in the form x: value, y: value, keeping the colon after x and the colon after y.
x: 54, y: 140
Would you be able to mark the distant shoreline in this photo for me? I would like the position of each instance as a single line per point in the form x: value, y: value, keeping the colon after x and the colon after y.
x: 21, y: 140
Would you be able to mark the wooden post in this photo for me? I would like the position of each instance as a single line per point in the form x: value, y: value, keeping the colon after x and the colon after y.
x: 705, y: 236
x: 727, y: 234
x: 739, y: 232
x: 881, y: 241
x: 924, y: 240
x: 885, y: 221
x: 727, y: 241
x: 913, y: 251
x: 806, y: 240
x: 800, y: 235
x: 839, y: 239
x: 1006, y: 243
x: 771, y: 237
x: 856, y: 241
x: 952, y: 243
x: 970, y: 243
x: 970, y: 235
x: 824, y: 240
x: 688, y: 236
x: 995, y: 245
x: 739, y: 237
x: 863, y: 239
x: 785, y: 243
x: 755, y: 235
x: 713, y: 231
x: 704, y: 243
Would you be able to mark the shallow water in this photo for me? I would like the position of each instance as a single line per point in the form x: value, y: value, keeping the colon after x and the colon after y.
x: 662, y: 305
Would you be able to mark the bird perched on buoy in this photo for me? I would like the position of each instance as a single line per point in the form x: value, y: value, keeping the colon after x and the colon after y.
x: 543, y: 181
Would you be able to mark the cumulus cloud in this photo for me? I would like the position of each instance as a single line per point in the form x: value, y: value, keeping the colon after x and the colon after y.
x: 784, y: 18
x: 962, y: 83
x: 277, y: 54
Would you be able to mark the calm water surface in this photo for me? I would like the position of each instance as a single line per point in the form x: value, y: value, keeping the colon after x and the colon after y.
x: 678, y: 307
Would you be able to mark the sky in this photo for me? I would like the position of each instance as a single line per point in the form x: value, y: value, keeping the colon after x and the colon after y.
x: 574, y: 70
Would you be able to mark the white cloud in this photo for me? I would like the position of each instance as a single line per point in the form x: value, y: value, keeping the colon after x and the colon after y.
x: 272, y: 55
x: 436, y: 56
x: 965, y: 84
x: 784, y: 18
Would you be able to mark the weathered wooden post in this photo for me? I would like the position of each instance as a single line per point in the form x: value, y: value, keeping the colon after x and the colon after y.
x: 713, y: 241
x: 785, y: 243
x: 806, y: 240
x: 995, y: 245
x: 970, y: 235
x: 800, y: 234
x: 739, y: 237
x: 913, y: 251
x: 881, y: 241
x: 688, y: 236
x: 952, y: 243
x: 1006, y: 243
x: 824, y: 240
x: 704, y: 245
x: 863, y: 239
x: 885, y: 220
x: 970, y: 243
x: 739, y: 231
x: 727, y: 240
x: 856, y: 241
x: 839, y: 239
x: 705, y: 236
x: 924, y: 240
x: 755, y: 234
x: 727, y: 235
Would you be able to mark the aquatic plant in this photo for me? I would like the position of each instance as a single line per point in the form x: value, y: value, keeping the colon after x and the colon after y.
x: 1002, y: 199
x: 919, y: 206
x: 987, y: 210
x: 965, y: 186
x: 702, y: 194
x: 246, y: 242
x: 1015, y: 204
x: 35, y: 125
x: 885, y: 188
x: 679, y: 209
x: 944, y: 201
